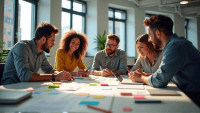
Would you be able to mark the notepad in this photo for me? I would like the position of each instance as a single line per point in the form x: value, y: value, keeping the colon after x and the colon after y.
x: 163, y: 92
x: 98, y: 97
x: 89, y: 102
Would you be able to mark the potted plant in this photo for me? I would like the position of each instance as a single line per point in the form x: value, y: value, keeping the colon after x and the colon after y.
x: 100, y: 40
x: 2, y: 59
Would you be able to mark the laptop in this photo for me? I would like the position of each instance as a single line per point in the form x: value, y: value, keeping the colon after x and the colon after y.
x: 13, y: 97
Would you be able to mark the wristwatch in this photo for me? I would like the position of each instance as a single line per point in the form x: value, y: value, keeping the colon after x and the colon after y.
x: 53, y: 77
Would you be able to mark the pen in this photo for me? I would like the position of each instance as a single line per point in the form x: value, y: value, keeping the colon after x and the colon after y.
x: 99, y: 109
x: 87, y: 69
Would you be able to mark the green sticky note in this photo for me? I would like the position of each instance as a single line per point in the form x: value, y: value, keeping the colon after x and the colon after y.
x: 47, y: 90
x: 93, y: 84
x: 53, y: 86
x: 122, y: 75
x: 91, y: 79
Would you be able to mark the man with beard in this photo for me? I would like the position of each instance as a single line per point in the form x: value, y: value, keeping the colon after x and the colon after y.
x: 181, y: 60
x: 111, y: 60
x: 26, y: 57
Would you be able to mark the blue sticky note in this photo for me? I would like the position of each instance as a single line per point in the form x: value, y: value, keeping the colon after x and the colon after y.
x: 89, y: 102
x: 147, y: 101
x: 79, y: 78
x: 36, y: 93
x: 53, y: 93
x: 106, y: 88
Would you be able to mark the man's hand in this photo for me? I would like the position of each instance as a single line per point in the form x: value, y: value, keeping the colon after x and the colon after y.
x: 63, y: 75
x: 106, y: 72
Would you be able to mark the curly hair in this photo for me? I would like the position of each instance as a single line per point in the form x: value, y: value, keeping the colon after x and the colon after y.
x: 144, y: 39
x: 65, y: 42
x: 161, y: 23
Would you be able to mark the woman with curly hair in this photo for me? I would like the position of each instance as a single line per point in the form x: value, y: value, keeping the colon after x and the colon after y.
x: 73, y: 47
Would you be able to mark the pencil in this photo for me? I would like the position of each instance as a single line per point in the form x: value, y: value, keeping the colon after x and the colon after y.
x: 99, y: 109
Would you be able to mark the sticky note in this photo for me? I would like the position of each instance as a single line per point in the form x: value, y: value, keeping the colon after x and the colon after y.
x: 82, y: 83
x: 106, y: 88
x: 36, y: 93
x: 104, y: 84
x: 53, y: 93
x: 93, y: 84
x: 47, y: 90
x: 147, y: 101
x: 138, y: 96
x: 53, y: 86
x: 91, y: 79
x: 89, y: 102
x: 57, y: 83
x: 122, y: 75
x: 126, y: 94
x: 79, y: 78
x: 83, y: 94
x: 98, y: 97
x: 127, y: 109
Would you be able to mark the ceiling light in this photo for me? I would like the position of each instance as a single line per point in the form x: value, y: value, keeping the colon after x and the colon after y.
x: 184, y: 2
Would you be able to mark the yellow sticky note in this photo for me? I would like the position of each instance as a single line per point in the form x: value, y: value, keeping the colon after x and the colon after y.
x: 83, y: 94
x: 82, y: 83
x: 47, y: 90
x: 122, y: 75
x: 93, y: 84
x: 98, y: 97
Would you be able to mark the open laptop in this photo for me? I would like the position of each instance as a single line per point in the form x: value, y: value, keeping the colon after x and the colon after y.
x: 12, y: 97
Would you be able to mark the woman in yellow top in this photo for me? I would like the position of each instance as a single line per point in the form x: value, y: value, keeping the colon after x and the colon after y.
x: 73, y: 47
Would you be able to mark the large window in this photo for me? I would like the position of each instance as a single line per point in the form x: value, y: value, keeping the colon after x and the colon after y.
x: 73, y: 15
x: 117, y: 25
x: 17, y: 12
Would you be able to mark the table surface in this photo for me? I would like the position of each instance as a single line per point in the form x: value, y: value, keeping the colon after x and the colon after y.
x: 58, y: 100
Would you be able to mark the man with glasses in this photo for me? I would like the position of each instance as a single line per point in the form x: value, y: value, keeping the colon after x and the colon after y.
x: 111, y: 60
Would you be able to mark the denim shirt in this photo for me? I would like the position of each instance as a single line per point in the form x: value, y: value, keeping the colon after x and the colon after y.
x: 23, y: 60
x: 115, y: 63
x: 180, y: 64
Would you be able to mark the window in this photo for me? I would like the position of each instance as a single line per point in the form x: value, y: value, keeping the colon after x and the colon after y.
x: 9, y: 44
x: 73, y: 15
x: 5, y: 7
x: 117, y: 25
x: 9, y: 8
x: 9, y: 31
x: 4, y: 30
x: 19, y: 20
x: 186, y: 28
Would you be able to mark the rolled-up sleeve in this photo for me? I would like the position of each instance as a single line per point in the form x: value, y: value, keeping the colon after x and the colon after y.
x: 173, y: 60
x: 96, y: 63
x: 21, y: 63
x: 123, y: 62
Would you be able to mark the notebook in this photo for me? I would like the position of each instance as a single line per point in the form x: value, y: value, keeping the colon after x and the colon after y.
x: 12, y: 97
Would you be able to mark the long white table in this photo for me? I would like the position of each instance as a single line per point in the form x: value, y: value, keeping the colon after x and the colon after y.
x: 58, y: 100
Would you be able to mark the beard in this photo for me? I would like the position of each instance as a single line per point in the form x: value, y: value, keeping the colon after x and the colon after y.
x: 45, y: 47
x: 156, y: 43
x: 109, y: 51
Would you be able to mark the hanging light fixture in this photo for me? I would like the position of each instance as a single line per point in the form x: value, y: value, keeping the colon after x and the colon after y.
x: 184, y: 2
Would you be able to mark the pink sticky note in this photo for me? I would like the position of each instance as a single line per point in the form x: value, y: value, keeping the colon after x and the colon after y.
x: 104, y: 84
x: 139, y: 97
x: 127, y: 109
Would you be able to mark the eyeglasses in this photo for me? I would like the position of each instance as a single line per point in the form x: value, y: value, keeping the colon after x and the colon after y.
x: 110, y: 45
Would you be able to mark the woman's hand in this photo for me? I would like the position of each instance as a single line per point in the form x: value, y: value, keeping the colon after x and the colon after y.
x: 63, y: 75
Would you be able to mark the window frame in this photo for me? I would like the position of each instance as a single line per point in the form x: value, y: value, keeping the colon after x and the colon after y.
x: 71, y: 12
x: 186, y: 28
x: 113, y: 19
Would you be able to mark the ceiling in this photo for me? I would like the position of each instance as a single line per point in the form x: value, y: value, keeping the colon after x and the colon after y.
x: 192, y: 9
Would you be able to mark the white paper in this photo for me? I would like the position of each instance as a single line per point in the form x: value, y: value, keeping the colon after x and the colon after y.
x: 67, y: 88
x: 46, y: 105
x: 131, y: 87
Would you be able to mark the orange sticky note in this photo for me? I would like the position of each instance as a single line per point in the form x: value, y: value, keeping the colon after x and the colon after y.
x: 57, y: 83
x: 83, y: 94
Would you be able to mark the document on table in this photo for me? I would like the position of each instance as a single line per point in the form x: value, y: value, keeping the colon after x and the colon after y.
x: 127, y: 81
x: 131, y: 87
x: 48, y: 106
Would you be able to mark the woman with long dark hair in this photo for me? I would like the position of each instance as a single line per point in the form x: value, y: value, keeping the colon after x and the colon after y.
x: 73, y: 47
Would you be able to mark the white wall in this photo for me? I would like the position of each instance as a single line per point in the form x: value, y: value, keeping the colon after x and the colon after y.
x: 179, y: 25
